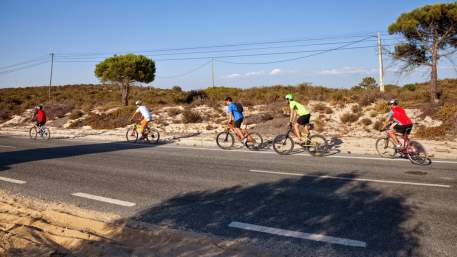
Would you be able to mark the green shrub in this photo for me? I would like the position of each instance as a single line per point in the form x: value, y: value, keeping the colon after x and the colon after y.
x: 190, y: 116
x: 349, y: 117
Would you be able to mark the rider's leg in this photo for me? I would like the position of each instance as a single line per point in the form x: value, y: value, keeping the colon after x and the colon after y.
x: 143, y: 124
x: 297, y: 131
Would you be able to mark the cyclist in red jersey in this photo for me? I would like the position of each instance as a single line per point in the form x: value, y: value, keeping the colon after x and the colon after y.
x: 39, y: 116
x: 401, y: 123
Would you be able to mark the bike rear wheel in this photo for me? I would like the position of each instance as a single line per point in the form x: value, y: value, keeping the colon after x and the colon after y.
x: 45, y: 133
x: 254, y: 141
x: 153, y: 136
x: 416, y: 153
x: 318, y: 145
x: 131, y: 135
x: 283, y: 144
x: 386, y: 147
x: 225, y: 140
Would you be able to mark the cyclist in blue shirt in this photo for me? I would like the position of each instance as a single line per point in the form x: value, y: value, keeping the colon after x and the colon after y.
x: 236, y: 117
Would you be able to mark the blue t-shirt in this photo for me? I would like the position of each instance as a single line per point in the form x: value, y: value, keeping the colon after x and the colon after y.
x: 236, y: 115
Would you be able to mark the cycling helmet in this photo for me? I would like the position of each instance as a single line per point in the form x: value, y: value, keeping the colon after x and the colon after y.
x: 138, y: 102
x: 40, y: 106
x: 289, y: 97
x: 394, y: 102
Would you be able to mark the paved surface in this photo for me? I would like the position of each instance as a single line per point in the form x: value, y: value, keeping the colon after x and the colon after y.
x: 296, y: 205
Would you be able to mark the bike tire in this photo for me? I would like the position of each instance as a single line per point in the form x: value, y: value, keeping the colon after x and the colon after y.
x: 318, y: 145
x: 131, y: 135
x: 416, y: 153
x: 225, y: 140
x: 153, y: 136
x: 255, y: 141
x: 386, y: 148
x: 283, y: 144
x: 46, y: 135
x: 33, y: 133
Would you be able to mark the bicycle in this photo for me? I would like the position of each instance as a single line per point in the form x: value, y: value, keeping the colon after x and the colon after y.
x: 316, y: 145
x: 39, y: 130
x: 225, y: 140
x: 150, y: 134
x: 412, y: 150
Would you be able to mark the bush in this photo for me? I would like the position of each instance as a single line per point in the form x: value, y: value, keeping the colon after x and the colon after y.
x: 381, y: 107
x: 366, y: 121
x: 378, y: 124
x: 356, y: 108
x: 431, y: 133
x: 190, y: 116
x: 410, y: 87
x: 328, y: 110
x: 320, y: 107
x: 349, y: 117
x: 54, y: 111
x: 173, y: 111
x: 117, y: 119
x: 76, y: 114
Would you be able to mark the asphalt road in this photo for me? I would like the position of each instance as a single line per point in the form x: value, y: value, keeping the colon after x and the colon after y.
x: 294, y: 205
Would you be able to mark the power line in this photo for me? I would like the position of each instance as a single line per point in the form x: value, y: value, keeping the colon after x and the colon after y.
x: 24, y: 67
x: 185, y: 73
x: 24, y: 62
x: 226, y: 45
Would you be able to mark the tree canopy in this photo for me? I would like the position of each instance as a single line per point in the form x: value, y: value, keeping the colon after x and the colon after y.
x: 430, y: 33
x: 125, y: 69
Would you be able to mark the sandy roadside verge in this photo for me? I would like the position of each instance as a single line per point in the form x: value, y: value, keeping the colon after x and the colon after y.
x: 31, y: 227
x: 193, y: 137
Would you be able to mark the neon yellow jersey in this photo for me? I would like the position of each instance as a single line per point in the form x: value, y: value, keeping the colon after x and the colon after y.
x: 301, y: 109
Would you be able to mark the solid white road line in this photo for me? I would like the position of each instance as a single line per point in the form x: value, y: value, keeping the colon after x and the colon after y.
x: 353, y: 179
x: 7, y: 146
x: 296, y: 234
x: 11, y: 180
x: 104, y: 199
x: 299, y: 154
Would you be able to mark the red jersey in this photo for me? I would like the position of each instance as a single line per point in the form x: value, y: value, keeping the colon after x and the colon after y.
x: 40, y: 116
x: 399, y: 116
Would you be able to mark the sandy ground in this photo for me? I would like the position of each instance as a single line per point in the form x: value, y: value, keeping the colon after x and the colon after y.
x: 196, y: 135
x: 31, y: 227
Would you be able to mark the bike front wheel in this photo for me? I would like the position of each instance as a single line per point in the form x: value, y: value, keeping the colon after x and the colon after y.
x: 33, y: 133
x: 225, y: 140
x: 45, y: 134
x: 153, y: 136
x: 416, y: 153
x: 283, y: 144
x: 254, y: 141
x: 131, y: 135
x: 386, y: 148
x: 318, y: 145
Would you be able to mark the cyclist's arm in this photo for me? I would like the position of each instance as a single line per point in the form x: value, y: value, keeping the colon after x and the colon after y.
x: 34, y: 116
x: 292, y: 115
x: 388, y: 120
x: 133, y: 116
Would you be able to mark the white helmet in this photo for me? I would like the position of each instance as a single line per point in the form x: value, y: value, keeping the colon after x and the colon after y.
x: 394, y: 102
x: 138, y: 102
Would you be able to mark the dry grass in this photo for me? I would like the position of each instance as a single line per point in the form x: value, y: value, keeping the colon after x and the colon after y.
x: 366, y: 121
x: 349, y: 117
x: 172, y: 112
x: 190, y: 116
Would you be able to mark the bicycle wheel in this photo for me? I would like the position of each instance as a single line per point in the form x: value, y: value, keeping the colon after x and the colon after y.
x: 416, y: 153
x: 386, y: 147
x: 33, y: 133
x: 153, y: 136
x: 283, y: 144
x: 255, y: 141
x: 317, y: 145
x: 225, y: 140
x: 45, y: 133
x: 131, y: 135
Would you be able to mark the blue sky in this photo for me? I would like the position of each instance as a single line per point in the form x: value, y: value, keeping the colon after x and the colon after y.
x: 73, y: 29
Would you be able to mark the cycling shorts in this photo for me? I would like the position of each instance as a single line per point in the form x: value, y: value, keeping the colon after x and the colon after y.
x: 304, y: 119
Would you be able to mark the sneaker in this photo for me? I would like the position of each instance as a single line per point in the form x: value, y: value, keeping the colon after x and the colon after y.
x: 245, y: 141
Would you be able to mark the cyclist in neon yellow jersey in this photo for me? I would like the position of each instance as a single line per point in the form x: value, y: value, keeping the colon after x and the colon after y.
x: 300, y: 111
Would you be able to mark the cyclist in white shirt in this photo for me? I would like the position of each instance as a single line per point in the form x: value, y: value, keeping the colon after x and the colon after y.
x: 145, y: 113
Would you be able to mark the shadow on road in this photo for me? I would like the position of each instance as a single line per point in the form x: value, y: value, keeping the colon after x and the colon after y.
x: 312, y: 205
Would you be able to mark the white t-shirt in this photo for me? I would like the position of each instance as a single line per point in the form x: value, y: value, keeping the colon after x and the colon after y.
x: 145, y: 112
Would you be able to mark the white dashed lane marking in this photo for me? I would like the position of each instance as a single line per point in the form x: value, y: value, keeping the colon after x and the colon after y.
x: 12, y: 180
x: 300, y: 235
x: 104, y: 199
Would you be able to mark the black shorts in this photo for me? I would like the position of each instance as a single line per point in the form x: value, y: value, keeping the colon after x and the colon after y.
x: 402, y: 129
x: 40, y: 124
x: 237, y: 123
x: 304, y: 119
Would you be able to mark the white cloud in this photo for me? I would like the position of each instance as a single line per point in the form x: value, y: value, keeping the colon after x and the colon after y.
x: 346, y: 70
x: 275, y: 72
x: 234, y: 75
x: 254, y: 73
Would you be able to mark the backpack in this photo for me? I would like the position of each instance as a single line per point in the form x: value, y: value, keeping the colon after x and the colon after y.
x: 239, y: 107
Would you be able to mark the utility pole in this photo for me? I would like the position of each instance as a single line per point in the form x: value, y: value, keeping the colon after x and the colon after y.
x: 212, y: 70
x: 50, y: 76
x: 381, y: 65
